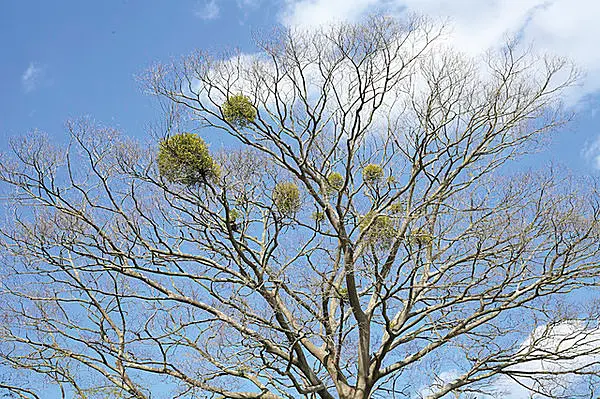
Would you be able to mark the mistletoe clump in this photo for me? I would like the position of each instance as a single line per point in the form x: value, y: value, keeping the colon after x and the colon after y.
x: 318, y: 216
x: 396, y: 208
x: 184, y: 159
x: 239, y: 111
x: 286, y: 197
x: 336, y: 181
x: 233, y: 215
x: 378, y: 229
x: 421, y: 237
x: 372, y: 173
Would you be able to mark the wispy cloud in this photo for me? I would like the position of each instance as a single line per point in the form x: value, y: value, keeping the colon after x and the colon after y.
x: 207, y: 10
x: 31, y: 77
x: 591, y: 152
x: 245, y: 4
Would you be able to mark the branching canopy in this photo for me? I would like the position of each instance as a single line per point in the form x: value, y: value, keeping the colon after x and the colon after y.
x: 271, y: 281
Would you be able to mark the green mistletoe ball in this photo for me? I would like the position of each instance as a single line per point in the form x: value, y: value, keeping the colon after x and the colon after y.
x: 372, y: 173
x: 238, y: 110
x: 286, y: 197
x: 184, y: 159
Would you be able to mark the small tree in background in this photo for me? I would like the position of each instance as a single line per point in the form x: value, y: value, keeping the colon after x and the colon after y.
x: 124, y: 268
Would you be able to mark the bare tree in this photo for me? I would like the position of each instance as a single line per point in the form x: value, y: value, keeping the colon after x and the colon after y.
x: 361, y: 237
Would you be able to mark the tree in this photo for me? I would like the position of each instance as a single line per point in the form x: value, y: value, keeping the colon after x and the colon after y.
x: 362, y: 239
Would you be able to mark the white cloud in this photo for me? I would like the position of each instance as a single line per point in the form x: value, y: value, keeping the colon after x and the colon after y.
x: 568, y: 28
x: 318, y: 12
x: 31, y: 77
x: 562, y: 349
x: 440, y: 380
x: 563, y: 352
x: 591, y: 152
x: 208, y: 10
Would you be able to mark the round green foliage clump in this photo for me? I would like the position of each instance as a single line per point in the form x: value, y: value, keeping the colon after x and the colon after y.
x: 378, y: 228
x: 184, y: 158
x: 318, y: 216
x: 396, y: 208
x: 336, y: 181
x: 421, y: 237
x: 286, y: 197
x: 233, y: 215
x: 372, y: 173
x: 238, y: 110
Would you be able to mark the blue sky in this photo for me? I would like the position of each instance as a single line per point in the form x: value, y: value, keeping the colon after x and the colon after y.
x: 65, y: 59
x: 71, y: 58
